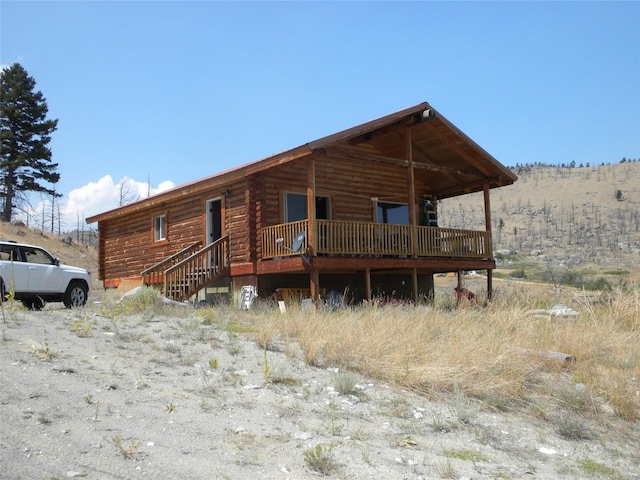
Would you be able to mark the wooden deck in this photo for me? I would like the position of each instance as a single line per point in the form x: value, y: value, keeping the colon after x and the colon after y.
x: 366, y: 239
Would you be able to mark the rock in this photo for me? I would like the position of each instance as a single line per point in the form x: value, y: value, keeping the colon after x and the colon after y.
x: 547, y: 451
x: 562, y: 311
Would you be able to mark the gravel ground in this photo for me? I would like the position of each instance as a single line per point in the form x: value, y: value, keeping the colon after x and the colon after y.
x: 163, y: 397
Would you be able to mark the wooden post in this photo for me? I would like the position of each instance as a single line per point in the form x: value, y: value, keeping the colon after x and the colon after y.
x: 411, y: 184
x: 311, y: 205
x: 489, y: 284
x: 367, y: 283
x: 489, y: 239
x: 314, y: 278
x: 414, y: 283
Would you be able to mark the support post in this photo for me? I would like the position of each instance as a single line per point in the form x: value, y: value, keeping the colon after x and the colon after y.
x: 411, y: 187
x: 315, y: 286
x: 489, y: 284
x: 489, y: 238
x: 367, y: 283
x: 311, y: 205
x: 414, y: 283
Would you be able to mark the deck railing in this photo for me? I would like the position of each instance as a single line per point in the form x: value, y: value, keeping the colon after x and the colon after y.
x: 363, y: 238
x: 451, y: 242
x: 335, y: 237
x: 277, y: 241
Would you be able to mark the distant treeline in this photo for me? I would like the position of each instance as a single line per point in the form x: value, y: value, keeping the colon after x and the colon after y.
x: 526, y: 167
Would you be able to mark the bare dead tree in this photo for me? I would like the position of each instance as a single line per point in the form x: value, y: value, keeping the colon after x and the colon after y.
x: 126, y: 194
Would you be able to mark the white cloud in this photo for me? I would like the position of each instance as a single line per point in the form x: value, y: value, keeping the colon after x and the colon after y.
x: 94, y: 198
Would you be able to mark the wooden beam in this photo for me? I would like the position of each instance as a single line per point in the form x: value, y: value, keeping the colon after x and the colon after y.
x: 411, y: 194
x: 314, y: 283
x: 414, y: 283
x: 489, y: 284
x: 367, y: 283
x: 469, y: 188
x: 237, y: 269
x: 286, y: 265
x: 423, y: 264
x: 487, y: 217
x: 461, y: 151
x: 488, y: 238
x: 311, y: 204
x: 357, y: 154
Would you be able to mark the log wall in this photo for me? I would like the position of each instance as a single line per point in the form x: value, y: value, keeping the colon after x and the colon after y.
x: 127, y: 245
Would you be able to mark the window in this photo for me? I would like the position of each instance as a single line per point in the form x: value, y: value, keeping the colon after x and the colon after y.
x: 295, y: 207
x: 159, y: 228
x: 393, y: 213
x: 35, y: 255
x: 9, y: 252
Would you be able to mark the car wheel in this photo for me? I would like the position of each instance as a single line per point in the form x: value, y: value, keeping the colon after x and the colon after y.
x: 33, y: 304
x: 76, y: 295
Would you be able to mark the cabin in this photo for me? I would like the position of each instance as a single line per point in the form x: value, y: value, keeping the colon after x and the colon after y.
x: 355, y: 213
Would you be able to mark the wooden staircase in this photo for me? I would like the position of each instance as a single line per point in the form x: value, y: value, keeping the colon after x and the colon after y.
x: 188, y: 271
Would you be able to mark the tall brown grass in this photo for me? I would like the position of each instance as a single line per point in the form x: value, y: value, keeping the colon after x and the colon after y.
x: 495, y: 353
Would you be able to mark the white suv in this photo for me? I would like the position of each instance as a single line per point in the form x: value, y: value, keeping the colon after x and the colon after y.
x: 34, y: 277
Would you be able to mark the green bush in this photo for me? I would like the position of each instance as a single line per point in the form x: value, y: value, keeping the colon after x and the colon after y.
x: 599, y: 283
x: 520, y: 273
x: 144, y: 300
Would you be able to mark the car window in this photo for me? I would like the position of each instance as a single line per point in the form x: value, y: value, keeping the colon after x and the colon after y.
x: 9, y: 252
x: 35, y: 255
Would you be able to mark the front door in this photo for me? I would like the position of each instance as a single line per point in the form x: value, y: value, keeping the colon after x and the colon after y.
x: 214, y: 225
x: 214, y: 220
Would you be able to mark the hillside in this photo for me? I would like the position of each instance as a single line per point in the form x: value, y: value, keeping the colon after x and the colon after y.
x: 557, y: 219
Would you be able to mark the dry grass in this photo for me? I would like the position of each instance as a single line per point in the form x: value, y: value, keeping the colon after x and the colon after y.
x: 431, y: 349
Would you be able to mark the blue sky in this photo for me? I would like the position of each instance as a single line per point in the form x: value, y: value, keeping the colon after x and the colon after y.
x: 174, y: 91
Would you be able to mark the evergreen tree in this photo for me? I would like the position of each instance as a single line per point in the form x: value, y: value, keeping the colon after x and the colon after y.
x: 25, y: 158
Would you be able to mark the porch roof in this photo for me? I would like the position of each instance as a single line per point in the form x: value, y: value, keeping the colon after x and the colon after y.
x: 454, y: 163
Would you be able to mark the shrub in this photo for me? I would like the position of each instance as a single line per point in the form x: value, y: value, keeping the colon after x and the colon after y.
x: 144, y: 300
x: 572, y: 427
x: 345, y: 381
x: 320, y: 459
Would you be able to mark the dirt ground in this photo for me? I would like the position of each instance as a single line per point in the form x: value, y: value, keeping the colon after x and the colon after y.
x: 166, y: 397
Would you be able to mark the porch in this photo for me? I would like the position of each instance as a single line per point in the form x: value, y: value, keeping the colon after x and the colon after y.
x: 375, y: 240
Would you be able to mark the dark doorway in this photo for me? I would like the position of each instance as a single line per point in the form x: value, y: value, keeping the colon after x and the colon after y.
x: 214, y: 220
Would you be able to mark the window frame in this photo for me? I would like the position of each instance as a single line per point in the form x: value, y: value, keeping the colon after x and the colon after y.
x: 161, y: 228
x: 381, y: 206
x: 285, y: 212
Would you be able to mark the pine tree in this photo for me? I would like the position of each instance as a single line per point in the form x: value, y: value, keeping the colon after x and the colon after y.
x: 25, y: 158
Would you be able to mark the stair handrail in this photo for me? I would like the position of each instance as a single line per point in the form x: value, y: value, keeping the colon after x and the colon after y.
x: 152, y: 275
x: 199, y: 277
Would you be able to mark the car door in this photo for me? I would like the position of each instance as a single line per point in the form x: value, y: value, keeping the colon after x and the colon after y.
x: 44, y: 274
x: 15, y: 272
